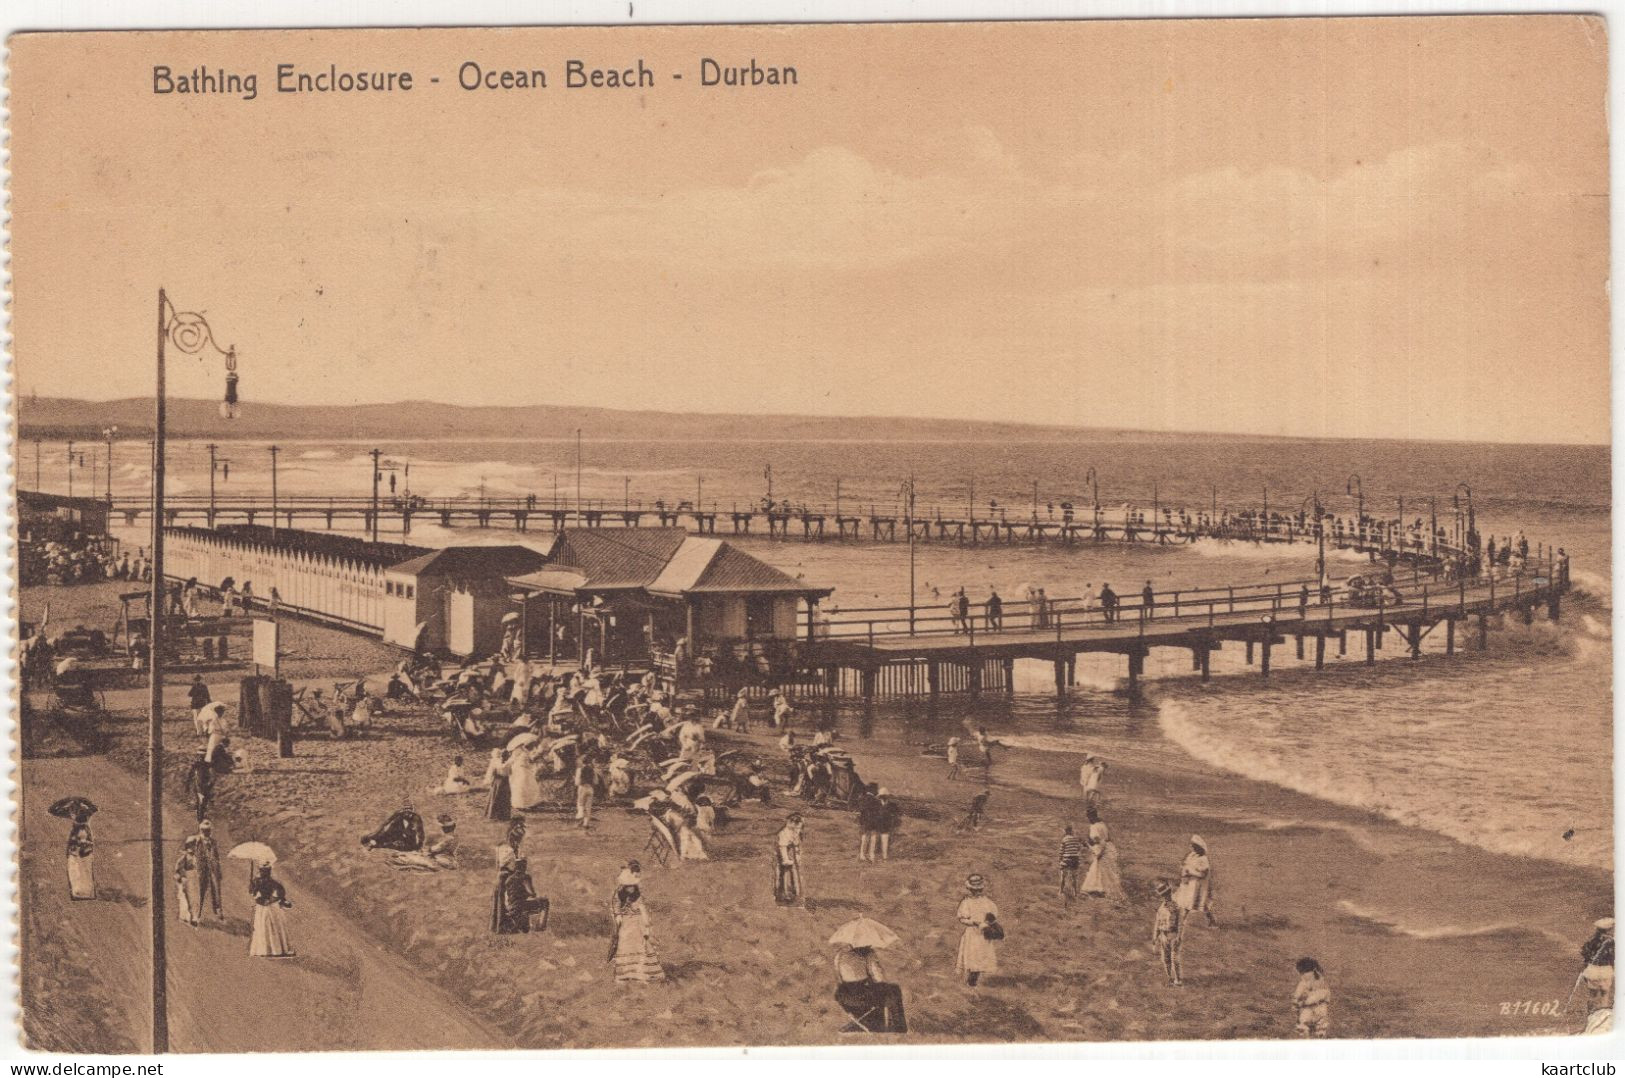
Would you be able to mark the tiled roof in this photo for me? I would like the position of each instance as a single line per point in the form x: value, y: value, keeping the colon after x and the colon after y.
x: 473, y: 561
x: 710, y: 565
x: 612, y: 558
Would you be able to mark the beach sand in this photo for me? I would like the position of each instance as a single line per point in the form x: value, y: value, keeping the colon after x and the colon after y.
x: 746, y: 971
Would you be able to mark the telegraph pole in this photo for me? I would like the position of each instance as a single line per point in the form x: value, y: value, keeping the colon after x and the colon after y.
x: 36, y: 464
x: 908, y: 520
x: 578, y: 475
x: 108, y: 434
x: 274, y: 451
x: 211, y: 447
x: 70, y: 469
x: 157, y: 865
x: 375, y: 454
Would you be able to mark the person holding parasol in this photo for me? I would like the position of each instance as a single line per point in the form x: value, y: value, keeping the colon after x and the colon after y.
x: 861, y: 987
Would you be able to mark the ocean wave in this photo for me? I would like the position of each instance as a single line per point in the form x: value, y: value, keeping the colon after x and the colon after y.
x: 1242, y: 550
x: 1334, y: 782
x: 1400, y: 926
x: 319, y: 454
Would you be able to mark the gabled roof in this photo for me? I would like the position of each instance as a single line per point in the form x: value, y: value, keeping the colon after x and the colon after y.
x: 464, y: 562
x: 662, y: 561
x: 611, y: 558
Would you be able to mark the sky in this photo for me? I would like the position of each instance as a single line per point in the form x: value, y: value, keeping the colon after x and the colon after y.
x: 1343, y: 228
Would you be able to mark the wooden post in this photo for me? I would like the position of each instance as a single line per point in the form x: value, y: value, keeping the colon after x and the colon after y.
x: 1300, y: 647
x: 1320, y: 653
x: 1342, y: 643
x: 869, y: 673
x: 933, y: 677
x: 1133, y: 673
x: 1072, y: 669
x: 1370, y: 647
x: 1009, y: 677
x: 975, y: 675
x: 1450, y: 636
x: 1414, y: 631
x: 1060, y: 678
x: 1553, y: 604
x: 1207, y: 653
x: 1249, y: 653
x: 1264, y: 658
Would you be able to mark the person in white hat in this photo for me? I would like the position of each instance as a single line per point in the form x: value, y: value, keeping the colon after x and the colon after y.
x: 1168, y: 933
x: 1195, y: 892
x: 953, y: 758
x: 980, y: 917
x: 1598, y: 975
x: 739, y: 718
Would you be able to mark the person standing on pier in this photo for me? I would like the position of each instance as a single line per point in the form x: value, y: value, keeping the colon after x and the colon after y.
x: 959, y: 610
x: 1148, y: 601
x: 1108, y: 602
x: 995, y: 611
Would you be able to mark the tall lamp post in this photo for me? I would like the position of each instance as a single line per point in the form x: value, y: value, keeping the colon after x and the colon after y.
x: 70, y: 469
x: 908, y: 522
x: 1320, y: 535
x: 190, y: 334
x: 108, y: 434
x: 275, y: 449
x: 1094, y: 492
x: 1357, y: 488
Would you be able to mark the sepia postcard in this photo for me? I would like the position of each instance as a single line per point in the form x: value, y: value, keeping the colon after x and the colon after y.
x: 969, y: 533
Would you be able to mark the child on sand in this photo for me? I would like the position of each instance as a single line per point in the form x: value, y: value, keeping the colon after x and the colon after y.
x: 953, y: 758
x: 1311, y: 998
x: 1167, y: 933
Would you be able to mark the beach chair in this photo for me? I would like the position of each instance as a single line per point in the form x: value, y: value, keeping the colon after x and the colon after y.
x: 857, y: 1022
x: 662, y: 843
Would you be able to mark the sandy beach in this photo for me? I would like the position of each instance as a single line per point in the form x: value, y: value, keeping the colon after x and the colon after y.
x: 1285, y: 868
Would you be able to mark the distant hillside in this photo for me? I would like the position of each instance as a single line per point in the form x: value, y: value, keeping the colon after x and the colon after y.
x: 60, y: 417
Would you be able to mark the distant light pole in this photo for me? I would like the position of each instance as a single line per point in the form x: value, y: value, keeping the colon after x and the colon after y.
x: 37, y: 463
x: 274, y: 451
x: 70, y: 468
x: 108, y: 434
x: 1357, y: 488
x: 908, y: 522
x: 1320, y: 535
x: 1094, y: 488
x: 190, y: 334
x: 375, y: 454
x: 578, y: 474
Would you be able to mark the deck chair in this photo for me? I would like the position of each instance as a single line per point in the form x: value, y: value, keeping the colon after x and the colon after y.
x: 662, y: 843
x: 858, y: 1023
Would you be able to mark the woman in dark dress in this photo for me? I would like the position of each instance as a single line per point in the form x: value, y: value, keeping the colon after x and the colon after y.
x: 515, y: 900
x: 500, y: 804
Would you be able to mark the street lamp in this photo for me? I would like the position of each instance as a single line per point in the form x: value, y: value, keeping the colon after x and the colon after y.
x: 908, y: 522
x: 190, y: 334
x: 1357, y: 488
x: 1320, y: 534
x: 108, y: 433
x: 1094, y: 492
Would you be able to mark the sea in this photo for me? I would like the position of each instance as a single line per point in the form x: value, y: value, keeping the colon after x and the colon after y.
x: 1508, y: 751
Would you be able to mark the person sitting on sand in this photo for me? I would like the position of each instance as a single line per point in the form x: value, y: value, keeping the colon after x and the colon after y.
x: 456, y: 781
x: 619, y: 776
x: 861, y: 989
x: 403, y: 831
x: 441, y: 856
x: 1311, y: 998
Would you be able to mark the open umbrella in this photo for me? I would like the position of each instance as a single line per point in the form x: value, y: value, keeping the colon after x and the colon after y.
x: 72, y: 807
x: 863, y: 932
x: 520, y: 740
x: 512, y: 615
x: 681, y: 779
x: 258, y: 852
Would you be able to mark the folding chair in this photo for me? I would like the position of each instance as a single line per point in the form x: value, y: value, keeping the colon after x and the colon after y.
x: 661, y: 843
x: 858, y: 1023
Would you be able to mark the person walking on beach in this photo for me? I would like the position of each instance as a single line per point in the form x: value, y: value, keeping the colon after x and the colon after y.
x: 1105, y: 878
x: 499, y: 806
x: 206, y: 859
x: 986, y: 745
x: 1167, y: 933
x: 980, y: 918
x: 1196, y: 881
x: 739, y: 718
x: 978, y: 808
x: 185, y: 870
x: 1598, y: 976
x: 869, y: 822
x: 270, y: 938
x: 787, y: 862
x: 81, y: 857
x: 1312, y: 998
x: 953, y: 758
x: 200, y: 783
x: 586, y: 781
x: 632, y: 947
x: 891, y: 818
x: 1071, y: 861
x: 197, y: 696
x: 1090, y: 776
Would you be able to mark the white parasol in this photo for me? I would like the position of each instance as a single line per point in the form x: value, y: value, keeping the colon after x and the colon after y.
x: 258, y: 852
x: 681, y: 779
x: 510, y: 616
x: 520, y: 740
x: 863, y: 932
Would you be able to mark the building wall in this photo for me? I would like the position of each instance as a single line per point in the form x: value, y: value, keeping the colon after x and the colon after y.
x: 330, y: 589
x: 409, y: 600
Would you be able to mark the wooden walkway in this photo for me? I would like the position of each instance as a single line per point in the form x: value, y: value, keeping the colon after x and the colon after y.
x: 868, y: 643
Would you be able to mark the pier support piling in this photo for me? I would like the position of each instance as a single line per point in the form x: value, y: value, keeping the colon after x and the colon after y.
x: 1371, y: 647
x: 1009, y: 677
x: 1342, y: 643
x: 1554, y: 606
x: 933, y: 677
x: 1414, y: 632
x: 1300, y: 647
x: 1320, y: 653
x: 1450, y: 636
x: 1264, y: 659
x: 1206, y: 654
x: 1249, y: 653
x: 1060, y: 678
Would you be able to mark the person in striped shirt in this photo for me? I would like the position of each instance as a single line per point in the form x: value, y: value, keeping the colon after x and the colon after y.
x: 1071, y: 860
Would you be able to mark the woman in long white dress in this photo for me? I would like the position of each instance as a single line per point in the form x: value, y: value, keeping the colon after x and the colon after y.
x: 526, y: 790
x: 1105, y: 878
x: 270, y: 938
x: 977, y: 953
x: 1195, y: 891
x: 633, y: 952
x: 81, y: 867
